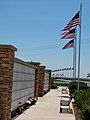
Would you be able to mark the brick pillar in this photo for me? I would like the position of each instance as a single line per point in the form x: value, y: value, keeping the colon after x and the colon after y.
x: 49, y: 80
x: 6, y: 76
x: 36, y: 85
x: 40, y: 78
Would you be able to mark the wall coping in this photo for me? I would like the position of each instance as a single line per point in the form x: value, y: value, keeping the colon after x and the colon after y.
x: 8, y: 47
x: 24, y: 63
x: 34, y: 63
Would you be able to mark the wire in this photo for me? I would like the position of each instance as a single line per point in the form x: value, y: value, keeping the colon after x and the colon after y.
x: 39, y: 48
x: 86, y: 41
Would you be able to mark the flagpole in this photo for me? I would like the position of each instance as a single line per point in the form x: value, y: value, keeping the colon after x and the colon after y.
x: 79, y: 46
x: 73, y: 59
x: 74, y: 56
x: 75, y: 49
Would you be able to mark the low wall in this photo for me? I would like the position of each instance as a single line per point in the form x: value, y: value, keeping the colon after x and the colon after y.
x: 47, y: 80
x: 23, y: 82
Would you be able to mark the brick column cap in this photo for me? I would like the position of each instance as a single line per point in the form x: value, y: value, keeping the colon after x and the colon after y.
x: 34, y: 63
x: 43, y: 66
x: 8, y: 47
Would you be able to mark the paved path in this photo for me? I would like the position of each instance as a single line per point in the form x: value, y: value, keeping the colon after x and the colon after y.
x: 46, y: 108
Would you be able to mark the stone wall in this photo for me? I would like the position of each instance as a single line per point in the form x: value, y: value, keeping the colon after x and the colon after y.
x: 7, y: 84
x: 41, y: 79
x: 23, y: 82
x: 47, y: 81
x: 37, y: 64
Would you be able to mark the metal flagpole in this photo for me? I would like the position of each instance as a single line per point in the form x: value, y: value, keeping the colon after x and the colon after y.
x: 74, y: 56
x: 73, y: 59
x: 80, y: 13
x: 75, y: 40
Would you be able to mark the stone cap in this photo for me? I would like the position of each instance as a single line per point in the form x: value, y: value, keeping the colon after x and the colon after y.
x: 8, y: 47
x: 34, y: 63
x: 43, y: 66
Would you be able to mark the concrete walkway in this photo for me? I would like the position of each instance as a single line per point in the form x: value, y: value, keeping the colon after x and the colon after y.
x: 46, y: 108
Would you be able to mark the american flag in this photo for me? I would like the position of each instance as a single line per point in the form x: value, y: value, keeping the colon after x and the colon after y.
x: 72, y: 68
x: 69, y: 44
x: 68, y: 34
x: 73, y: 22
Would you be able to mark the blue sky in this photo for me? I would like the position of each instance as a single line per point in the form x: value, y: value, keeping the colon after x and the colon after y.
x: 34, y: 28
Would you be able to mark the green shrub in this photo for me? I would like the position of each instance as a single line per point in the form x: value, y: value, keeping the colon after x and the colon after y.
x: 82, y: 99
x: 53, y: 85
